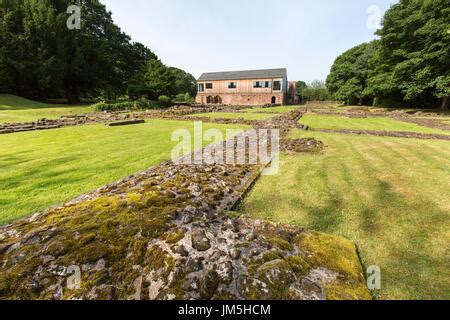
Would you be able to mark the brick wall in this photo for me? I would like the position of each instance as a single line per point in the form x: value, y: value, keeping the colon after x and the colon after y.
x: 251, y: 99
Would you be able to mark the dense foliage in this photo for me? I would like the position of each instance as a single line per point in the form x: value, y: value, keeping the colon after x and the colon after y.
x: 408, y: 65
x: 314, y: 91
x: 40, y: 57
x: 133, y: 105
x: 349, y: 74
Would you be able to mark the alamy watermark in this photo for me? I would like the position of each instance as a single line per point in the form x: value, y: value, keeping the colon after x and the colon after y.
x: 74, y: 11
x: 235, y: 147
x: 74, y: 20
x: 373, y: 278
x: 73, y: 274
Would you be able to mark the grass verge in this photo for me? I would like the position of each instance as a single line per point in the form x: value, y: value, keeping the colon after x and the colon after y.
x: 389, y: 195
x: 376, y: 124
x: 17, y: 109
x: 42, y: 168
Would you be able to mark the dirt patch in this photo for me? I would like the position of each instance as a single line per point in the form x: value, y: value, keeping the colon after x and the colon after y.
x: 306, y: 145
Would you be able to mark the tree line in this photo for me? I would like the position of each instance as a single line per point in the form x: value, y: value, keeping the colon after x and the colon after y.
x: 314, y: 91
x: 41, y: 58
x: 409, y: 65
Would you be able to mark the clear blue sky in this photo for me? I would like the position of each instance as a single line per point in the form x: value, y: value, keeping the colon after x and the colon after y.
x: 199, y: 36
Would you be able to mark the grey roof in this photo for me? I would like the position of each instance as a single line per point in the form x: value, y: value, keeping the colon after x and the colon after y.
x: 243, y: 75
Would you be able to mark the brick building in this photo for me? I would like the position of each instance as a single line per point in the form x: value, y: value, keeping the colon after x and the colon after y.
x: 253, y: 87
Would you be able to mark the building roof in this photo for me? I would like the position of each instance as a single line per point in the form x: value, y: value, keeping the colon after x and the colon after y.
x: 244, y: 75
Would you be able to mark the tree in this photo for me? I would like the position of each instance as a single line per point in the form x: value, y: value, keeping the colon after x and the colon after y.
x: 301, y: 87
x: 159, y: 80
x: 349, y: 74
x: 184, y: 82
x: 41, y: 58
x: 412, y: 62
x: 316, y: 91
x: 408, y: 65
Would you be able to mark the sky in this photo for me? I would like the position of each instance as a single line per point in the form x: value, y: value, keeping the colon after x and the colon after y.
x: 304, y: 36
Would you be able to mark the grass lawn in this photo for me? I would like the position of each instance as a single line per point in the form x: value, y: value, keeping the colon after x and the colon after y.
x: 376, y: 124
x: 389, y: 195
x: 231, y: 115
x: 278, y: 110
x: 17, y: 109
x: 42, y: 168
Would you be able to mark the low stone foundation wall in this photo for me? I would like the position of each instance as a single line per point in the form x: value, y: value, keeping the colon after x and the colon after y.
x: 165, y: 233
x: 177, y: 112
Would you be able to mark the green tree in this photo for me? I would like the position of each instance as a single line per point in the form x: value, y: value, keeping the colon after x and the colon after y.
x: 349, y: 74
x: 301, y: 87
x: 412, y: 63
x: 316, y: 91
x: 184, y: 82
x: 41, y: 58
x: 159, y: 80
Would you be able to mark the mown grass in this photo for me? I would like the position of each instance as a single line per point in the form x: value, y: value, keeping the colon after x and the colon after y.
x: 376, y: 124
x: 389, y: 195
x: 42, y: 168
x: 17, y: 109
x: 231, y: 115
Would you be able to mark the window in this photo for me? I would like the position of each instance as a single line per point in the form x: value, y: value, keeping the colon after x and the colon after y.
x: 209, y: 86
x: 277, y: 85
x: 257, y: 84
x: 262, y: 84
x: 201, y: 87
x: 232, y: 85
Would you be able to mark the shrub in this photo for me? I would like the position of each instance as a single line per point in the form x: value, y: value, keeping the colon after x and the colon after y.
x: 184, y: 98
x: 180, y: 97
x: 188, y: 98
x: 115, y: 106
x: 165, y: 101
x: 129, y: 105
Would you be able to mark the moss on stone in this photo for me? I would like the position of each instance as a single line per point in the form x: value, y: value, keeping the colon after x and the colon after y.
x: 298, y: 265
x: 278, y: 276
x: 272, y: 255
x: 339, y: 255
x: 120, y: 239
x: 341, y: 290
x: 280, y: 243
x: 174, y: 236
x: 336, y: 253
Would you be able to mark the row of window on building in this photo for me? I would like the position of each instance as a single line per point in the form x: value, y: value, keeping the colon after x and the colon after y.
x: 275, y: 85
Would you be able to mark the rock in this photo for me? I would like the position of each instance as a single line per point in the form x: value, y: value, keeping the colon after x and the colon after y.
x: 194, y: 265
x: 235, y: 253
x: 225, y: 272
x: 187, y: 219
x: 190, y: 209
x: 200, y: 241
x: 181, y: 250
x: 4, y: 248
x: 250, y: 237
x: 209, y: 282
x: 100, y: 266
